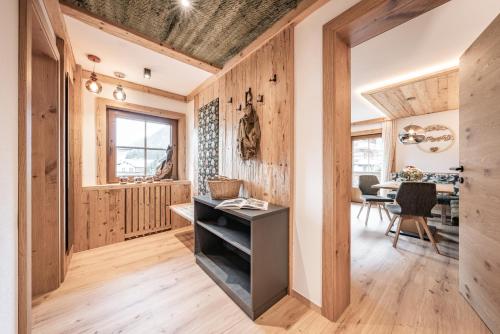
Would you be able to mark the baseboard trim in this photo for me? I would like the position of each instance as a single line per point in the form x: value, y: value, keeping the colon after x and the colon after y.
x: 305, y: 301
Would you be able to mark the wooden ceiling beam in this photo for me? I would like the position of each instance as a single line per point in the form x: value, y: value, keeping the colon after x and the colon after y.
x: 135, y: 37
x: 293, y: 17
x: 369, y: 121
x: 135, y: 86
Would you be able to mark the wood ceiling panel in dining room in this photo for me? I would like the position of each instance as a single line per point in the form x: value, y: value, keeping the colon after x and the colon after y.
x: 209, y: 30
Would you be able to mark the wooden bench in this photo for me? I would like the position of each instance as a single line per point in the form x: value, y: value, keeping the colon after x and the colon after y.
x: 182, y: 215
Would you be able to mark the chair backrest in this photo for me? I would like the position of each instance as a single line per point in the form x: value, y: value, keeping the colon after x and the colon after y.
x: 365, y: 184
x: 417, y: 198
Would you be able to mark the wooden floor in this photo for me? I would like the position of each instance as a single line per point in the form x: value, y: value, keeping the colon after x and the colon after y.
x: 152, y: 285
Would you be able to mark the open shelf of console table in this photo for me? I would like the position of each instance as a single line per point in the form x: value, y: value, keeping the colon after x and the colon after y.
x: 244, y: 251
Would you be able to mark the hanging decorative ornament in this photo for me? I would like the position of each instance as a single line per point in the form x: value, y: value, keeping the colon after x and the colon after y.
x: 411, y: 134
x: 119, y: 93
x: 92, y: 84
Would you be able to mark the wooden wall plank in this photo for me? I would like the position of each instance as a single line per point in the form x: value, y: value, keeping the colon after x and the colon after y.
x: 128, y: 208
x: 46, y: 242
x: 269, y: 176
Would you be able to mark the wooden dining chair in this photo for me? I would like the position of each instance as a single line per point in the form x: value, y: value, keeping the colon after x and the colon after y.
x: 415, y: 201
x: 371, y: 197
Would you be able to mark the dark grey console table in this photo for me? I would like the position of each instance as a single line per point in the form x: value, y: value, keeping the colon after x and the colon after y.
x: 244, y: 251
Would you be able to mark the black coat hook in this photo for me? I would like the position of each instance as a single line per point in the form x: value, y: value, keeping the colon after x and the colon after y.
x: 273, y: 78
x: 248, y: 96
x: 230, y: 100
x: 260, y: 98
x: 239, y: 108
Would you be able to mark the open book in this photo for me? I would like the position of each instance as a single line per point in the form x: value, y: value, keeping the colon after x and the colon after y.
x: 242, y: 203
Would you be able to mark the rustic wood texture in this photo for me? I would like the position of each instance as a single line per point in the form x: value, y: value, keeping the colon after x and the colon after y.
x: 112, y: 213
x: 337, y: 175
x: 24, y: 166
x: 370, y: 18
x: 178, y: 221
x: 102, y: 133
x: 427, y: 94
x: 152, y: 285
x: 141, y: 206
x: 361, y: 22
x: 270, y: 176
x: 267, y: 177
x: 479, y: 199
x: 135, y: 86
x: 46, y: 178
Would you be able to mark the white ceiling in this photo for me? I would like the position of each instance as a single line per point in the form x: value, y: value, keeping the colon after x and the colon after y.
x: 119, y: 55
x: 431, y: 42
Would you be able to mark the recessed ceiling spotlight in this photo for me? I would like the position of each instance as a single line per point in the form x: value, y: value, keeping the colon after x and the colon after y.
x: 147, y: 73
x: 186, y: 3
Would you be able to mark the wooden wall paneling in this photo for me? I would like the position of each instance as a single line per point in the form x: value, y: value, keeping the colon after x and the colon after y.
x: 46, y: 242
x: 361, y: 22
x: 101, y: 142
x: 105, y: 217
x: 180, y: 193
x: 135, y: 210
x: 128, y: 211
x: 77, y: 197
x: 270, y: 175
x: 24, y: 167
x: 178, y: 221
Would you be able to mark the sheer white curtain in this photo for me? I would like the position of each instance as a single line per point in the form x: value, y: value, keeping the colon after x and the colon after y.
x: 389, y: 139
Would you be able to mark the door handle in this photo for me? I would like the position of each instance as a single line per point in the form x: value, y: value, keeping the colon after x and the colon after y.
x: 458, y: 169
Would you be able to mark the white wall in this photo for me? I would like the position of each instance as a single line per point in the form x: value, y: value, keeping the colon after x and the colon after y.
x: 429, y: 162
x: 89, y: 153
x: 309, y: 149
x: 9, y: 35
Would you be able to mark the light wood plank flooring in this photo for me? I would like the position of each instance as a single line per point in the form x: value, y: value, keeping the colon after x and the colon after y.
x: 152, y: 285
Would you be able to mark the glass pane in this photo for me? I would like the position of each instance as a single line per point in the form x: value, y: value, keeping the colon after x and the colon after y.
x: 367, y: 158
x: 158, y: 135
x: 129, y: 132
x: 153, y: 158
x: 129, y: 162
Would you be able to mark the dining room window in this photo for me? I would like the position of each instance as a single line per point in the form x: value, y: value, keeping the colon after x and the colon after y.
x: 137, y: 143
x: 367, y: 156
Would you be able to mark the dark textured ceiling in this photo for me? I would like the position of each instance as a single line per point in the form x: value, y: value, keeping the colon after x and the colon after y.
x: 211, y: 30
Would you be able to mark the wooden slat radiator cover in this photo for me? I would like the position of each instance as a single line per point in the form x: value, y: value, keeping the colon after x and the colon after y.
x: 107, y: 214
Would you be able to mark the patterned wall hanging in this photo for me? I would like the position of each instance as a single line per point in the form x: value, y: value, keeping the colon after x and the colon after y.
x: 208, y: 144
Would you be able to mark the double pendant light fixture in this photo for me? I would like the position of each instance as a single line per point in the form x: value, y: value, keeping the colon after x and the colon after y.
x: 94, y: 86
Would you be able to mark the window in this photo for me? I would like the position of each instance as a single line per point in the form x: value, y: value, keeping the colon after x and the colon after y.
x: 367, y: 157
x: 137, y: 142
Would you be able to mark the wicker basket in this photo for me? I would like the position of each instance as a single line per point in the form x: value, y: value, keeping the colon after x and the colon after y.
x: 224, y: 188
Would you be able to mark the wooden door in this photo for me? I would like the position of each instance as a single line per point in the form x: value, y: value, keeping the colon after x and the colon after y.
x: 479, y: 263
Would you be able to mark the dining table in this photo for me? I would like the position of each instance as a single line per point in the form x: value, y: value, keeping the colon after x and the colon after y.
x: 444, y: 188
